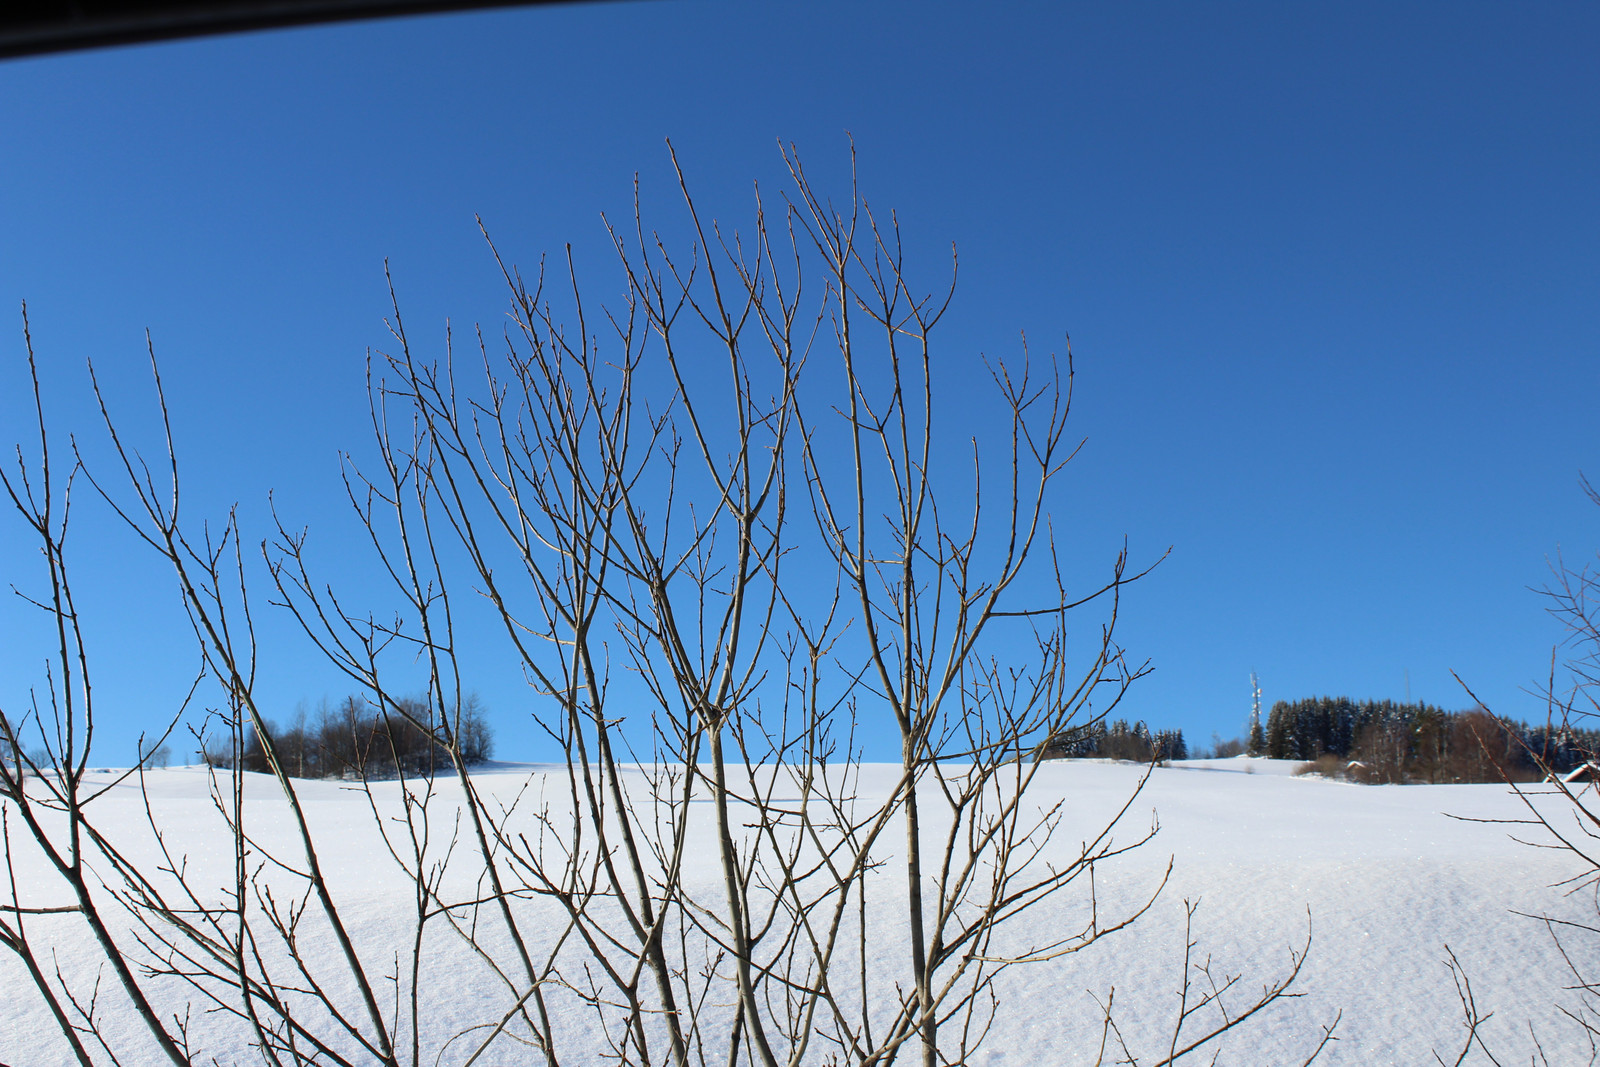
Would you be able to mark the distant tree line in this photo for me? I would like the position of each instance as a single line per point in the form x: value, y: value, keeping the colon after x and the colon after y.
x: 10, y: 747
x: 1117, y: 740
x: 358, y: 739
x: 1369, y: 741
x: 1390, y: 742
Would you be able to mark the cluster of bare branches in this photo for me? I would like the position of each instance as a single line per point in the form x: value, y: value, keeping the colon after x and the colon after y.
x: 1211, y: 1002
x: 1561, y: 808
x: 711, y: 523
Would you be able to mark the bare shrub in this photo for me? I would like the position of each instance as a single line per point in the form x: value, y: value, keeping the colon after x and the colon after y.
x: 781, y: 557
x: 1325, y: 766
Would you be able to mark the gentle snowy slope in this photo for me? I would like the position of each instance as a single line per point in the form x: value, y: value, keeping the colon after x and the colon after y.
x: 1387, y: 877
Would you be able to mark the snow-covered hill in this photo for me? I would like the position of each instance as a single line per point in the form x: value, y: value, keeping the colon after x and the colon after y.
x: 1385, y: 877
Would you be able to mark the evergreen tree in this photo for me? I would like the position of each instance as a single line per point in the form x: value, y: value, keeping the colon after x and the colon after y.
x: 1278, y: 731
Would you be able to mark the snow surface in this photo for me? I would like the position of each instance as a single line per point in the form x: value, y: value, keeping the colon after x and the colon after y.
x: 1387, y: 877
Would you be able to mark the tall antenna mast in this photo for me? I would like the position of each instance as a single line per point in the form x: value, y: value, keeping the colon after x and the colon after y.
x: 1254, y: 738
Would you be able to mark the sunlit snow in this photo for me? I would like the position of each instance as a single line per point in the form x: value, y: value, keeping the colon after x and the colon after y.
x: 1387, y: 877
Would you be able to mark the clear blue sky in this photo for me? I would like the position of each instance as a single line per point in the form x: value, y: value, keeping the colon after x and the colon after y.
x: 1331, y: 273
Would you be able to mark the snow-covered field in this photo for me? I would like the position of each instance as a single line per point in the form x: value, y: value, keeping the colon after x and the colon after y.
x: 1387, y: 877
